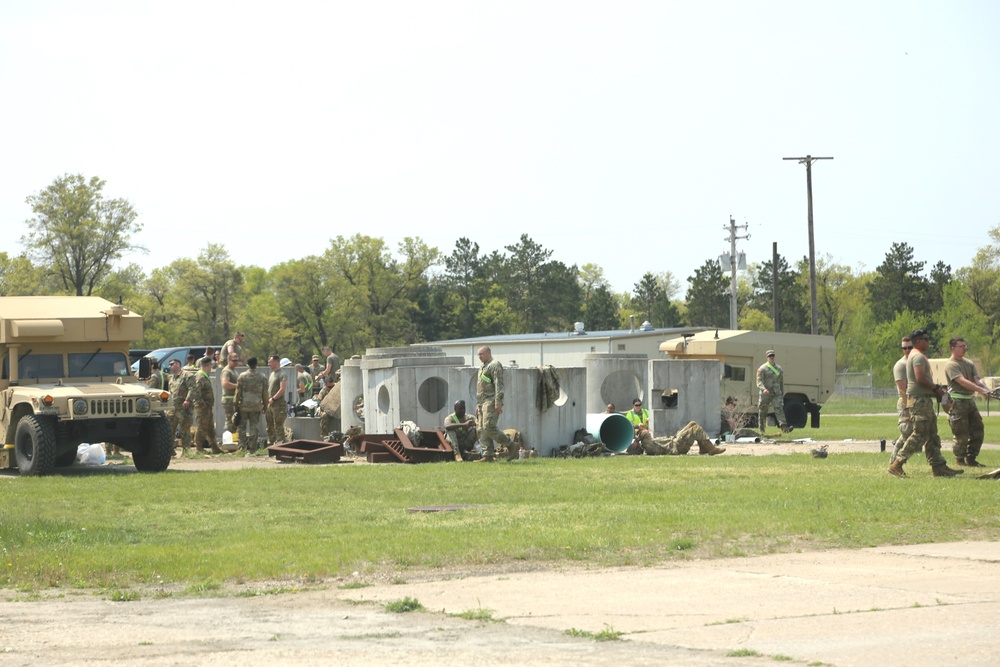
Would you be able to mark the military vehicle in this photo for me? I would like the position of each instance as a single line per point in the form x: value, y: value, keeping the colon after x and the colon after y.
x: 809, y: 364
x: 65, y: 381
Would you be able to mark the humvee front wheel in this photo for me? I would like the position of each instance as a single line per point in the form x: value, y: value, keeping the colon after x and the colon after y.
x: 35, y: 446
x: 156, y: 446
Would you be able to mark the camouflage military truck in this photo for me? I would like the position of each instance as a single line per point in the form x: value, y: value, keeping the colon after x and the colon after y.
x: 65, y: 381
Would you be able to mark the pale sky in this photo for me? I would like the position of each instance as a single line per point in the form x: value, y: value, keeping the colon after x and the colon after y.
x: 620, y: 133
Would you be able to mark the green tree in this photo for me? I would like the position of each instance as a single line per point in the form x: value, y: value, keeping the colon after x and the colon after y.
x: 205, y: 295
x: 77, y: 234
x: 708, y: 296
x: 898, y: 285
x: 545, y: 292
x: 19, y: 277
x: 304, y: 289
x: 793, y: 299
x: 600, y: 312
x: 465, y: 287
x: 375, y: 304
x: 651, y: 300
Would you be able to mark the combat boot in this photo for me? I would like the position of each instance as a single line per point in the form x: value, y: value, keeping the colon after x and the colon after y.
x: 896, y: 468
x: 710, y: 449
x: 972, y: 463
x: 960, y: 461
x: 942, y: 470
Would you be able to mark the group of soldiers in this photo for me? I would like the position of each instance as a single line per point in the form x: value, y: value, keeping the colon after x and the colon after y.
x: 245, y: 396
x: 916, y: 405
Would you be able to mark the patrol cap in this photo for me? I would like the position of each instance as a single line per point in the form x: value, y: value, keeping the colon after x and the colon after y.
x: 316, y: 357
x: 769, y: 353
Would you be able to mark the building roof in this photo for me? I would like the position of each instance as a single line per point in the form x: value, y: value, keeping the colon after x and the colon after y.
x: 571, y: 335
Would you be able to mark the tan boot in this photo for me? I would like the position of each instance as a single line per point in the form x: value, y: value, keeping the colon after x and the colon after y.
x: 896, y: 468
x: 708, y: 448
x: 942, y: 470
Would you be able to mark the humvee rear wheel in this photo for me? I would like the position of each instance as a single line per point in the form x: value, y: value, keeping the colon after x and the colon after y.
x: 35, y: 446
x: 795, y: 413
x: 156, y: 446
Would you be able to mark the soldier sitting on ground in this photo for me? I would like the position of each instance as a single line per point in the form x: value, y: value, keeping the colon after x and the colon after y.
x: 460, y: 430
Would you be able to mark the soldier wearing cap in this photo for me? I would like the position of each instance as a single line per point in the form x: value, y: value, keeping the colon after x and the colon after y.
x: 181, y: 385
x: 771, y: 383
x: 228, y: 377
x: 964, y: 419
x: 315, y: 368
x: 921, y: 390
x: 203, y: 398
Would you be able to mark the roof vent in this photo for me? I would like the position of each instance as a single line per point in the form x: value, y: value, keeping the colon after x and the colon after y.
x: 578, y: 329
x: 646, y: 326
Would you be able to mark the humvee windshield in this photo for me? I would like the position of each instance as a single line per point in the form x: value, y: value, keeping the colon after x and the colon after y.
x: 32, y: 366
x: 88, y: 364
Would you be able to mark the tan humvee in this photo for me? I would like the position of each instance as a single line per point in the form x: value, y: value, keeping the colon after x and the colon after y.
x: 809, y: 364
x: 65, y: 381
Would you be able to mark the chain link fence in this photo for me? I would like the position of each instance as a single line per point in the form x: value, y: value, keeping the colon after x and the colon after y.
x: 860, y: 385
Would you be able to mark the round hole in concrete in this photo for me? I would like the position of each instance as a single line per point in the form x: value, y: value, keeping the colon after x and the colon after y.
x: 383, y: 399
x: 432, y: 395
x: 620, y: 388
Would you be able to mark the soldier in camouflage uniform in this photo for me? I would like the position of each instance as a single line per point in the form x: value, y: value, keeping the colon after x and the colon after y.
x: 771, y: 383
x: 157, y: 378
x: 327, y: 416
x: 228, y: 377
x: 314, y: 369
x: 203, y: 398
x: 680, y: 444
x: 180, y: 406
x: 964, y: 419
x: 899, y: 376
x: 460, y: 430
x: 277, y: 404
x: 489, y: 398
x: 250, y: 399
x: 920, y: 394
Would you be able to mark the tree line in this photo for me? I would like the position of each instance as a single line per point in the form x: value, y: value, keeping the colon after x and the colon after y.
x: 360, y: 293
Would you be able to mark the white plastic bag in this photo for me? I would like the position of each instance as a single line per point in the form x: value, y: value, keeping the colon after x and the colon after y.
x: 91, y: 455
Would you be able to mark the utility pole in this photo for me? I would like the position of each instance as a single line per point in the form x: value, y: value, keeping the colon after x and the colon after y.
x: 807, y: 161
x: 734, y: 262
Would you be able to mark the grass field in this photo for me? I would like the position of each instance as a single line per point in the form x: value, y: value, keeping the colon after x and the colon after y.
x: 205, y: 529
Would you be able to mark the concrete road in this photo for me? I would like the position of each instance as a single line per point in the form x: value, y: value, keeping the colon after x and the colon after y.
x: 922, y: 605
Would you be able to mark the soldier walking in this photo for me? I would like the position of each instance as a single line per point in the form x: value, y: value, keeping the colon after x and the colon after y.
x: 920, y: 394
x: 964, y: 419
x: 250, y: 399
x: 489, y: 398
x: 899, y: 375
x: 771, y: 383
